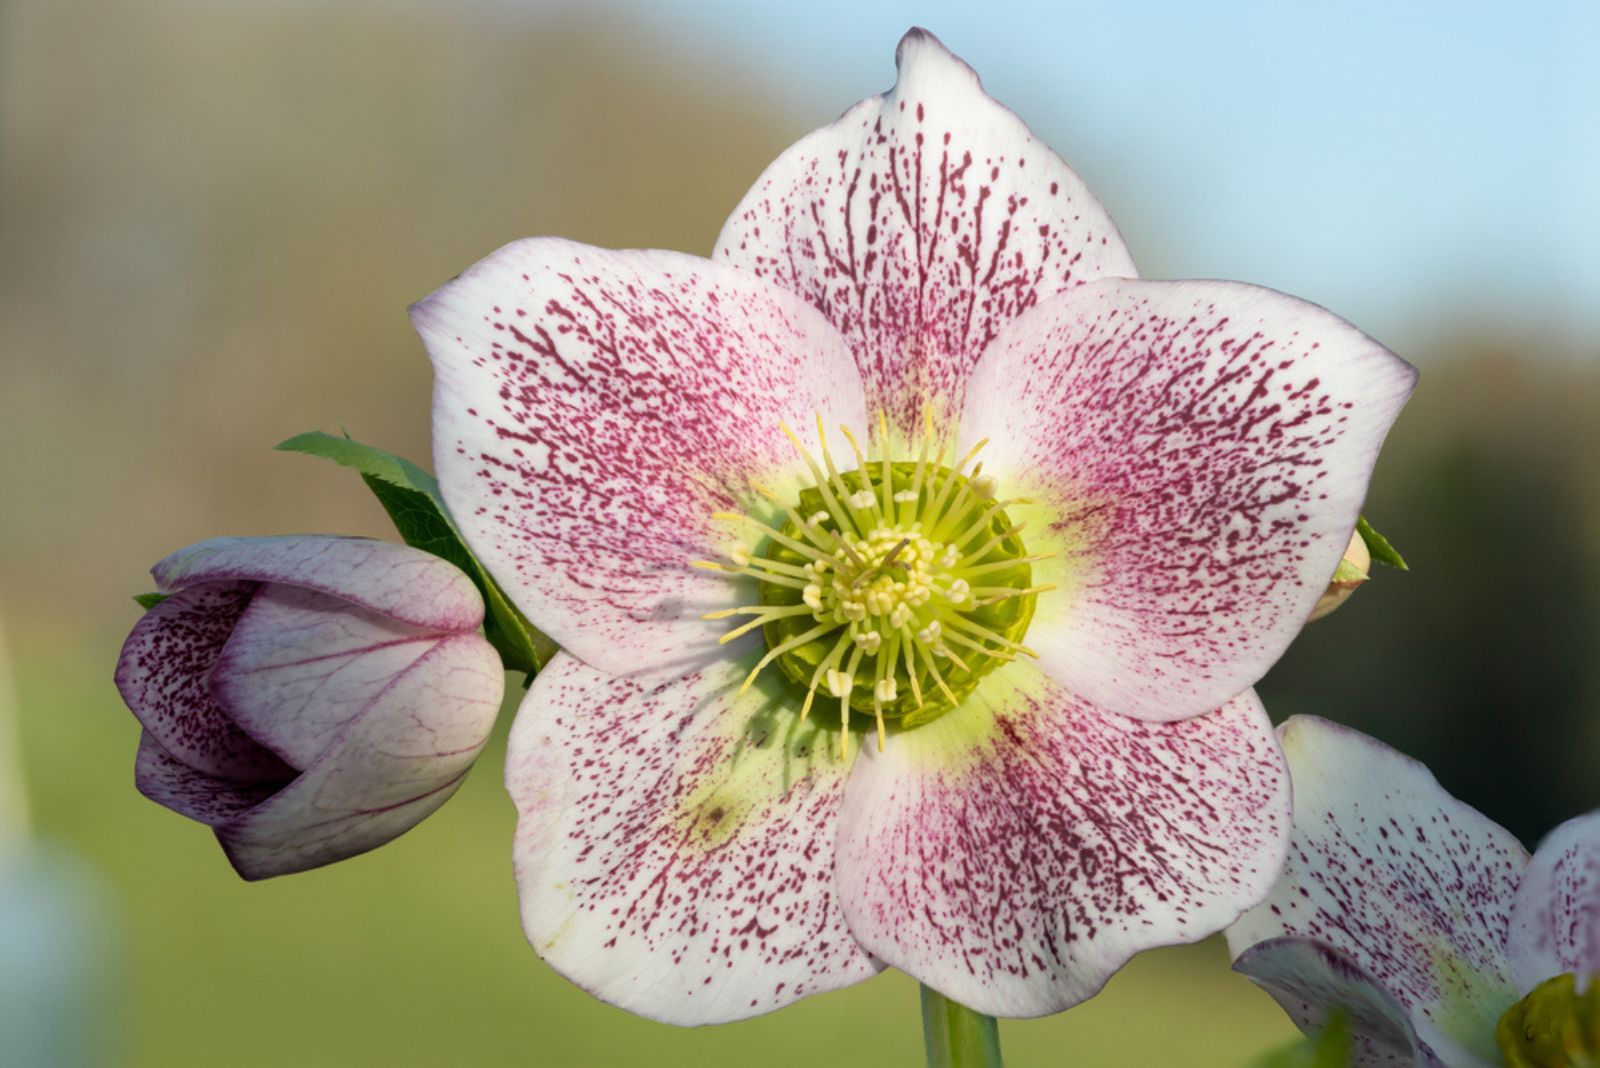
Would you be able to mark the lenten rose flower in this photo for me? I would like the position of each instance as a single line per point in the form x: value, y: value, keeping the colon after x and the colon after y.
x: 1426, y: 923
x: 309, y: 698
x: 911, y: 560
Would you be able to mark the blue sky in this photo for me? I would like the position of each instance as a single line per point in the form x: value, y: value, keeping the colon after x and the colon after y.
x: 1407, y: 164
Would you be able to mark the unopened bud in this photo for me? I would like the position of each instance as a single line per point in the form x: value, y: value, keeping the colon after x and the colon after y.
x: 1352, y: 572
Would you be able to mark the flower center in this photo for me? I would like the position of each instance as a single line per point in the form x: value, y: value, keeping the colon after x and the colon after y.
x: 1553, y: 1027
x: 892, y: 588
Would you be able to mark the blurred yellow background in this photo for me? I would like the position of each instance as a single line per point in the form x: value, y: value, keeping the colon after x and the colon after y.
x: 212, y: 219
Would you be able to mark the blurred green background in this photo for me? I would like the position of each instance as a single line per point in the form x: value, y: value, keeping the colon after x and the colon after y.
x: 212, y: 218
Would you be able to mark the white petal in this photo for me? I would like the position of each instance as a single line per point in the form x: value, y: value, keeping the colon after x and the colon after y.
x: 675, y: 843
x: 1016, y: 852
x: 1555, y: 923
x: 593, y: 410
x: 921, y: 223
x: 1388, y: 869
x: 1197, y: 453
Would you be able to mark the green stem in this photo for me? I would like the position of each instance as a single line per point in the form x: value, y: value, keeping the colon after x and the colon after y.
x: 957, y: 1037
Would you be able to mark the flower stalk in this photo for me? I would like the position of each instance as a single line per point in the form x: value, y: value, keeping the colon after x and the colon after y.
x: 956, y: 1036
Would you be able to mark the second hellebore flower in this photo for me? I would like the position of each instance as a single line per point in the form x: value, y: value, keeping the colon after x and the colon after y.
x: 309, y: 698
x: 909, y: 557
x: 1423, y: 921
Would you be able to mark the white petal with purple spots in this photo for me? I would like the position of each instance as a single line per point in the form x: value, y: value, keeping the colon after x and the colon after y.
x: 593, y: 409
x: 921, y: 223
x: 164, y: 675
x: 675, y: 843
x: 1413, y: 886
x: 1197, y: 454
x: 1555, y: 923
x: 1018, y: 851
x: 1313, y: 982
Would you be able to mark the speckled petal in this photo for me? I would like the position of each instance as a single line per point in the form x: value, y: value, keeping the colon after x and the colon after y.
x: 392, y: 763
x: 394, y: 580
x: 921, y: 222
x: 675, y: 842
x: 1555, y: 921
x: 1409, y: 883
x: 164, y: 674
x: 168, y: 781
x: 592, y: 409
x: 1311, y: 982
x: 1018, y: 851
x: 1197, y: 453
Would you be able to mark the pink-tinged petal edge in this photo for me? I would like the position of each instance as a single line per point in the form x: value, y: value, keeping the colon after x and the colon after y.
x: 674, y: 848
x: 393, y: 580
x: 1197, y: 454
x: 163, y: 675
x: 1555, y: 920
x: 1014, y: 854
x: 921, y: 223
x: 394, y: 761
x: 592, y: 409
x: 1311, y: 982
x: 1389, y: 870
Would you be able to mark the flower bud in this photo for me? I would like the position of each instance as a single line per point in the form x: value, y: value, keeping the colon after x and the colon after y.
x: 309, y: 697
x: 1351, y: 573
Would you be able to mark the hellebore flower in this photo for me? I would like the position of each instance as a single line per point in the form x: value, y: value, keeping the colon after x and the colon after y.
x: 309, y: 698
x: 1076, y: 516
x: 1422, y: 920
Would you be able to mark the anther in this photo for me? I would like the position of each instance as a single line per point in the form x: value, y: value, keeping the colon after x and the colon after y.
x: 869, y: 642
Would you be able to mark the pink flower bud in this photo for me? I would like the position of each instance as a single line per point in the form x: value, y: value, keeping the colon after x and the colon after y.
x: 309, y: 697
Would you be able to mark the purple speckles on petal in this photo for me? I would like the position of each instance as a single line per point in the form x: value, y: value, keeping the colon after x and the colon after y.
x: 166, y: 780
x: 920, y: 223
x: 675, y: 844
x: 592, y: 409
x: 1555, y: 923
x: 164, y: 676
x: 1014, y: 854
x: 1199, y: 452
x: 1311, y: 981
x: 1388, y: 869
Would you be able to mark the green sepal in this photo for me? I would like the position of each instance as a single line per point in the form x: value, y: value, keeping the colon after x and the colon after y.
x: 411, y: 497
x: 1378, y: 545
x: 1348, y: 572
x: 1328, y: 1048
x: 148, y: 601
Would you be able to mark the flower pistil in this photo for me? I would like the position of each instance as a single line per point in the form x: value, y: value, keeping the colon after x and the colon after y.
x: 894, y: 586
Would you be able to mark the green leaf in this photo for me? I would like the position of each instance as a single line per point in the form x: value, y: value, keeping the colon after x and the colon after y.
x: 411, y: 497
x: 148, y: 601
x: 1378, y: 545
x: 1329, y: 1048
